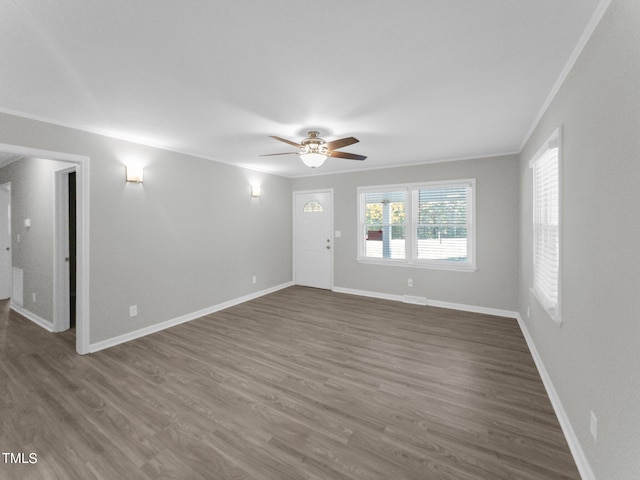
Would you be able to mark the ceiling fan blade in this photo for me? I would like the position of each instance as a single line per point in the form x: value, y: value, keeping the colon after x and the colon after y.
x: 286, y: 141
x: 272, y: 154
x: 343, y: 142
x: 348, y: 156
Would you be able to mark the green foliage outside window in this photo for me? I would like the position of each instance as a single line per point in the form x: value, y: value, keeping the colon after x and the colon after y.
x: 442, y: 213
x: 374, y: 213
x: 374, y: 218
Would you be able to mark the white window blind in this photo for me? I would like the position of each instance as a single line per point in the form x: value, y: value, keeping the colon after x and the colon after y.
x: 546, y: 227
x: 442, y: 223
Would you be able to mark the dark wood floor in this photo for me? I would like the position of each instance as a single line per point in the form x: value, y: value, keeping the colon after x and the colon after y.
x: 300, y: 384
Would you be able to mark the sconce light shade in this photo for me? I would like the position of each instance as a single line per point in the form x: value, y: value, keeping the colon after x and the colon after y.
x: 255, y: 190
x: 134, y: 174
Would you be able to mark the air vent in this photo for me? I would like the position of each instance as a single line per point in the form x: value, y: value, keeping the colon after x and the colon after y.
x: 414, y: 300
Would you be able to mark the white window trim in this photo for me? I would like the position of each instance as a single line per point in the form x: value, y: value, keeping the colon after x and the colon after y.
x: 553, y: 310
x: 411, y: 227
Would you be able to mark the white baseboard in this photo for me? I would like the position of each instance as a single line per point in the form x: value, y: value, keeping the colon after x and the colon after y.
x: 46, y: 324
x: 570, y: 435
x: 365, y: 293
x: 430, y: 303
x: 473, y: 308
x: 111, y: 342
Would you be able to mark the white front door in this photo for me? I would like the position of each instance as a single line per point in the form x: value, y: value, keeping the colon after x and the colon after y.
x: 313, y: 247
x: 5, y: 241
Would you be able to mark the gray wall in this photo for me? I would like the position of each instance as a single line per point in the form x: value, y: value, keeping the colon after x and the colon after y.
x: 32, y: 198
x: 188, y: 238
x: 593, y: 358
x: 493, y: 285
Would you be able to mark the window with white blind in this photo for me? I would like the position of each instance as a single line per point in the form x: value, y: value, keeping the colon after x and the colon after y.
x: 426, y: 225
x: 383, y: 224
x: 546, y: 225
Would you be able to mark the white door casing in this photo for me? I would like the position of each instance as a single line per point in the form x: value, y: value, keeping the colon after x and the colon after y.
x: 313, y: 239
x: 5, y: 241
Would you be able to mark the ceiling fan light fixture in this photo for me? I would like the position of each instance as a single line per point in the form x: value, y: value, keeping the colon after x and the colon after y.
x: 313, y: 160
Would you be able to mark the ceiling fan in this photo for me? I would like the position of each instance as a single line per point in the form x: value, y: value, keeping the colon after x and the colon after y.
x: 314, y: 150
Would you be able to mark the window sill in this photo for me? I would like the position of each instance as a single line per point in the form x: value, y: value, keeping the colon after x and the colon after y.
x: 553, y: 313
x: 431, y: 266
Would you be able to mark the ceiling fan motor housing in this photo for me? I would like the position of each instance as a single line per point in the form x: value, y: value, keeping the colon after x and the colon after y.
x: 314, y: 144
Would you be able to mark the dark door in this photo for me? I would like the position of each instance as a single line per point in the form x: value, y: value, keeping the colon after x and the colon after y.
x: 72, y: 248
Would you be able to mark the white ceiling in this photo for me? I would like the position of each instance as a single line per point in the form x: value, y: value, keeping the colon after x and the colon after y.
x: 415, y: 80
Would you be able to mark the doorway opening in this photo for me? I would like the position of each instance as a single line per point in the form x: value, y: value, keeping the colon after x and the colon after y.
x: 72, y: 249
x: 62, y: 290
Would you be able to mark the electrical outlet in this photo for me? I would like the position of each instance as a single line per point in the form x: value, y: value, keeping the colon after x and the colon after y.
x: 593, y: 426
x: 254, y: 279
x: 410, y: 282
x: 133, y: 311
x: 34, y: 297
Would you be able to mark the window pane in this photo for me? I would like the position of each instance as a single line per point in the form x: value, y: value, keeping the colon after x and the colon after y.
x: 384, y: 221
x: 442, y: 206
x: 442, y: 224
x: 388, y: 241
x: 312, y: 206
x: 385, y: 208
x: 546, y: 215
x: 447, y: 243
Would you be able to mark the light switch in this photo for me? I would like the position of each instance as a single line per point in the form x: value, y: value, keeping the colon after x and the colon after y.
x: 27, y: 222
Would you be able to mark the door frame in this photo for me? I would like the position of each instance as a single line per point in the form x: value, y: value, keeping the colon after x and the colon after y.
x: 7, y: 187
x: 332, y: 233
x: 81, y: 164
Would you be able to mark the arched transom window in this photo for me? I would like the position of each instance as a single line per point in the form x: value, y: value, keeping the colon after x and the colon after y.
x: 312, y: 206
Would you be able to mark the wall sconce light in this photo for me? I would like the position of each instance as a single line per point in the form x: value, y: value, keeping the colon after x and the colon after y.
x: 134, y: 174
x: 255, y: 190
